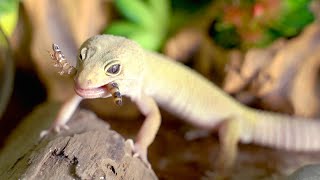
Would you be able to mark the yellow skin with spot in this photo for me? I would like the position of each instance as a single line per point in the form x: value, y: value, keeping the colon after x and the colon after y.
x: 151, y: 79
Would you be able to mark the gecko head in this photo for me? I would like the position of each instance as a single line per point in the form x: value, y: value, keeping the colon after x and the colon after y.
x: 104, y: 59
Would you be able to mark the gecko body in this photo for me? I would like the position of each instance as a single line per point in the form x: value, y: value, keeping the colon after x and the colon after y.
x: 150, y: 79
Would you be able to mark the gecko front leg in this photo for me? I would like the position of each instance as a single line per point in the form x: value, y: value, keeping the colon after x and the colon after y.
x: 149, y: 128
x: 64, y: 115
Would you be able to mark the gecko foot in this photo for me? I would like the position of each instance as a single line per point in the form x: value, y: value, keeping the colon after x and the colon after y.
x: 56, y: 129
x: 139, y: 152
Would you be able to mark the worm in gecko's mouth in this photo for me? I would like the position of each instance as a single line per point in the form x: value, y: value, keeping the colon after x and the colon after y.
x: 111, y: 89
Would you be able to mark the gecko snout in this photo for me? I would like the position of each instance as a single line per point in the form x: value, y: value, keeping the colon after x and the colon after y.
x: 82, y: 83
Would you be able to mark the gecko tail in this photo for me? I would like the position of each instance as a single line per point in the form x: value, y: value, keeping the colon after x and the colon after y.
x: 284, y: 131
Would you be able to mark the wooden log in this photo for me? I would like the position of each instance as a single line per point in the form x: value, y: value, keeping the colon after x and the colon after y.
x: 89, y: 150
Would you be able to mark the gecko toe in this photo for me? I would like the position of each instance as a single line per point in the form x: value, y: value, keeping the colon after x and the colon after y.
x: 131, y: 143
x: 44, y: 133
x: 58, y: 128
x: 65, y: 127
x: 141, y: 153
x: 55, y: 129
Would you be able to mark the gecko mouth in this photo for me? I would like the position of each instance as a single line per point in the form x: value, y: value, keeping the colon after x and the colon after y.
x: 98, y: 92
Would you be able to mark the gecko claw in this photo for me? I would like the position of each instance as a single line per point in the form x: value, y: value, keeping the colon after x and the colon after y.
x: 44, y: 133
x: 58, y: 128
x: 55, y: 129
x: 139, y: 152
x: 130, y: 142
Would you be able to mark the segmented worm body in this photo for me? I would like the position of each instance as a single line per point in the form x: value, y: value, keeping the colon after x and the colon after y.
x: 59, y: 61
x: 114, y: 90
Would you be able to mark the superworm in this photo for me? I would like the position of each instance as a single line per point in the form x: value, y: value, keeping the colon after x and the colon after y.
x: 60, y: 62
x: 113, y: 88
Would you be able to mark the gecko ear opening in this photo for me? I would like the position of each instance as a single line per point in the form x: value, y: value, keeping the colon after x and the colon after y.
x: 112, y: 68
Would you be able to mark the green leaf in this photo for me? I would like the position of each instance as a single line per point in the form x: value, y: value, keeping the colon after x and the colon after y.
x: 291, y: 5
x: 7, y: 6
x: 122, y: 28
x: 8, y: 22
x: 295, y: 15
x: 147, y: 40
x: 161, y: 10
x: 137, y: 12
x: 147, y: 21
x: 8, y: 15
x: 225, y: 35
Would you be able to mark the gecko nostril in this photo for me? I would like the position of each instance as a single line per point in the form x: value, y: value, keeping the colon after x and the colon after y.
x: 82, y: 84
x: 89, y: 82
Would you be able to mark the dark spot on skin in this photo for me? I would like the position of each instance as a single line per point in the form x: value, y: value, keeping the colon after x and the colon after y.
x: 89, y: 82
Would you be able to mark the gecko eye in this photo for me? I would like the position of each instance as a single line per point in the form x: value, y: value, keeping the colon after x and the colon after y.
x: 112, y: 68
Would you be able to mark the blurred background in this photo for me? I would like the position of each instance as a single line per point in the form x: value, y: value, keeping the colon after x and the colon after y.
x: 265, y: 53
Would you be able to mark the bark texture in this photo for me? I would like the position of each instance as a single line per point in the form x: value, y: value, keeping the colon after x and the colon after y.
x: 89, y: 150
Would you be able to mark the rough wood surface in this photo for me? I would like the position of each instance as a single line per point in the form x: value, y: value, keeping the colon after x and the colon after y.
x: 89, y: 150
